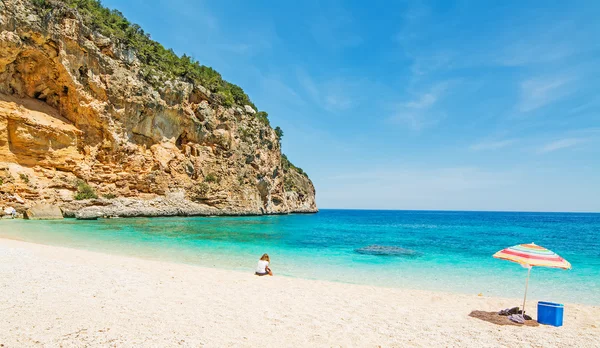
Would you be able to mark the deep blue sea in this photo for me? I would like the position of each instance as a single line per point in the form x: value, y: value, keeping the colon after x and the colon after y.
x: 441, y: 250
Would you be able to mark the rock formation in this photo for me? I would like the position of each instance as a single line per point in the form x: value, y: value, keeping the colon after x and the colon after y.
x: 76, y: 110
x: 43, y: 212
x: 385, y: 250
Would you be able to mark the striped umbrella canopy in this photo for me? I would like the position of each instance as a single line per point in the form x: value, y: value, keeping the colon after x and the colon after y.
x: 529, y: 255
x: 533, y: 255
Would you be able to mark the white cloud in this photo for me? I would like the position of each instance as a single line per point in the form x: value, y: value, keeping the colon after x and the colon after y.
x: 418, y: 30
x: 417, y: 121
x: 276, y: 88
x: 529, y: 44
x: 428, y: 63
x: 435, y: 42
x: 421, y: 112
x: 307, y: 83
x: 337, y: 102
x: 562, y: 144
x: 423, y: 102
x: 591, y: 105
x: 531, y: 51
x: 539, y: 92
x: 195, y: 12
x: 492, y: 145
x: 337, y: 94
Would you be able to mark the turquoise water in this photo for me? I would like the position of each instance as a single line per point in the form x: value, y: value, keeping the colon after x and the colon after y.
x: 454, y: 248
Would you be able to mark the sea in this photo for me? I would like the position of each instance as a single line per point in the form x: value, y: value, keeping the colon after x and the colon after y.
x: 429, y: 250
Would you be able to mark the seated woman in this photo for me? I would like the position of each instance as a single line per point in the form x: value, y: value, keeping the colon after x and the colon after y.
x: 262, y: 268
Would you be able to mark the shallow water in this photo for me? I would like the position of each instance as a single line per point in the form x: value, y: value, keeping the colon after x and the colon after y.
x: 454, y: 248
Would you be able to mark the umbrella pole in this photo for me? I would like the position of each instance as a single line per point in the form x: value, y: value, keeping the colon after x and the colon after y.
x: 526, y: 286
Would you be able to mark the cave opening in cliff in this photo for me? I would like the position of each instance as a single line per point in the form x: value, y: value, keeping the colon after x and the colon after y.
x: 40, y: 96
x: 181, y: 140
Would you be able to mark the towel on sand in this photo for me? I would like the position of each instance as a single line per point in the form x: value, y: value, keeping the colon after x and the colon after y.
x: 517, y: 318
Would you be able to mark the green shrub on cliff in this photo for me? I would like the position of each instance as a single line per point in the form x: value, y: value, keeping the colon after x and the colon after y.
x: 24, y: 177
x: 155, y: 57
x: 85, y: 191
x: 202, y: 189
x: 287, y: 165
x: 44, y: 4
x: 279, y: 132
x: 263, y: 116
x: 288, y: 184
x: 211, y: 177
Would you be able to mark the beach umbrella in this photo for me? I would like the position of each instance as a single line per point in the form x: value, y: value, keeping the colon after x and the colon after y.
x: 529, y: 255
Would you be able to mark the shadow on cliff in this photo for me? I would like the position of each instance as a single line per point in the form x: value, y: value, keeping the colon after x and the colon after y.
x: 33, y: 128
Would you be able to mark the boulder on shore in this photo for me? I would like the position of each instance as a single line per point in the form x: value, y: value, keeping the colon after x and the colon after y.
x: 9, y: 213
x: 43, y: 212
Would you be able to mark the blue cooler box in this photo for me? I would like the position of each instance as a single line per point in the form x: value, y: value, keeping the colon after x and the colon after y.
x: 549, y: 313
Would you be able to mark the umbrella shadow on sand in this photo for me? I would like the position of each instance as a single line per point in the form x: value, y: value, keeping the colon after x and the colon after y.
x: 495, y: 318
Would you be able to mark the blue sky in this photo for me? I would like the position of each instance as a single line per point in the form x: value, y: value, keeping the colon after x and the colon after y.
x: 466, y: 105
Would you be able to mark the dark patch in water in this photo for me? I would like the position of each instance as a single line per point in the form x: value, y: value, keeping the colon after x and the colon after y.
x: 383, y: 250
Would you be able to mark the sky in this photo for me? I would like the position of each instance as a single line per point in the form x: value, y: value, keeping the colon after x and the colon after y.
x: 449, y: 105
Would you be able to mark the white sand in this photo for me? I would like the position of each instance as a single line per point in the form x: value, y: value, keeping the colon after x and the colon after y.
x: 51, y: 296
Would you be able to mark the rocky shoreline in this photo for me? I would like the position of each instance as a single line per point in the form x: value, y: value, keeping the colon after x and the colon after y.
x: 168, y: 206
x: 158, y: 207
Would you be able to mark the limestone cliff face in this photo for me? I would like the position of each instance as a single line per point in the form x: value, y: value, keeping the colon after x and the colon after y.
x: 75, y: 106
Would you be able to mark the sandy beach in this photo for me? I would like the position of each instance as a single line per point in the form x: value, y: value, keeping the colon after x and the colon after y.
x: 53, y: 296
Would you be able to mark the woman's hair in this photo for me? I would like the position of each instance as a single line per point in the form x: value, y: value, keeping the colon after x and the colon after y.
x: 265, y: 257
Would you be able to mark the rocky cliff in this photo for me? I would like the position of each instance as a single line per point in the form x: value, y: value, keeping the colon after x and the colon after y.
x: 81, y: 117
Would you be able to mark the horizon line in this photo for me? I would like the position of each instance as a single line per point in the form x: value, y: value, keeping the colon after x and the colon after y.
x: 466, y: 211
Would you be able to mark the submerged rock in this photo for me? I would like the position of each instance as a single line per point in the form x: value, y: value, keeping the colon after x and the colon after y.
x: 384, y: 250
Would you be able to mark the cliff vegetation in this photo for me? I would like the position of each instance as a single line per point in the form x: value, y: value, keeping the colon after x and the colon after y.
x: 160, y: 64
x: 101, y: 120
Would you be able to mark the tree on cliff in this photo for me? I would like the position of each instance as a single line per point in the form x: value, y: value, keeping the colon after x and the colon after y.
x: 279, y: 132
